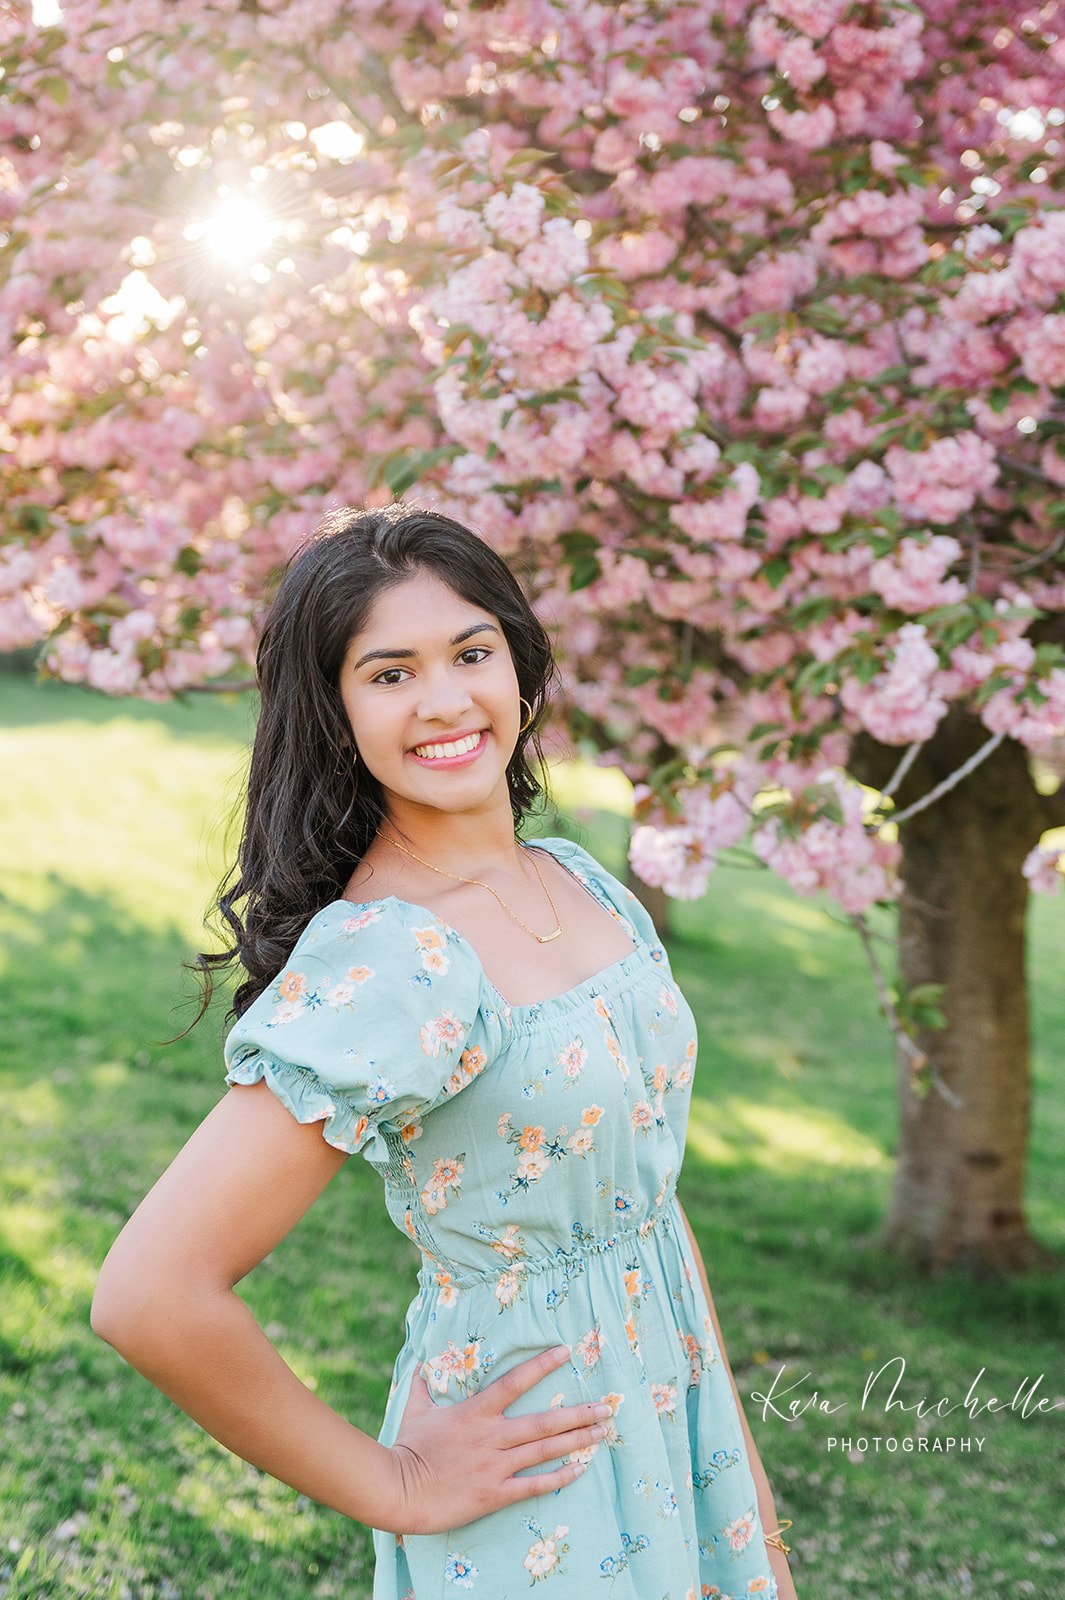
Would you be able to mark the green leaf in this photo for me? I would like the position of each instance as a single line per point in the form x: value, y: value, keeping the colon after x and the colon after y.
x: 189, y: 561
x: 584, y: 571
x: 58, y: 89
x: 33, y: 518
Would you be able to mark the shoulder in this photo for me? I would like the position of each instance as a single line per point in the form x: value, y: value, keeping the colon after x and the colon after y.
x: 591, y: 871
x: 584, y: 865
x: 383, y: 958
x: 403, y: 942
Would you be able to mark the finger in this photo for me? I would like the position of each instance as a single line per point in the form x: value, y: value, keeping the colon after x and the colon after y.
x: 560, y: 1419
x: 538, y: 1451
x: 418, y: 1396
x: 516, y: 1489
x: 504, y: 1390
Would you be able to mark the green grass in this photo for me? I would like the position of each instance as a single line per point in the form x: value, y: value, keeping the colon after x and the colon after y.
x: 113, y: 814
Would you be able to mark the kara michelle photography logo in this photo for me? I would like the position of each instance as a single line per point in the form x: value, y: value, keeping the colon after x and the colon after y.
x: 889, y: 1389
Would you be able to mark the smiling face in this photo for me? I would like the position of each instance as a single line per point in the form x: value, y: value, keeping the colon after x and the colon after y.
x: 430, y: 671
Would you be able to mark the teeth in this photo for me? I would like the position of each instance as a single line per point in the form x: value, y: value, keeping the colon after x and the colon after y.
x: 433, y: 752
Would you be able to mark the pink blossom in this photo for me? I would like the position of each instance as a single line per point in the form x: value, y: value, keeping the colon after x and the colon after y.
x: 674, y: 859
x: 650, y: 399
x: 1038, y: 261
x: 856, y: 866
x: 1043, y: 352
x: 1045, y: 869
x: 113, y: 671
x: 812, y: 17
x: 901, y: 704
x: 913, y: 578
x: 800, y: 63
x: 515, y: 217
x: 556, y: 257
x: 636, y: 255
x: 810, y: 130
x: 942, y: 482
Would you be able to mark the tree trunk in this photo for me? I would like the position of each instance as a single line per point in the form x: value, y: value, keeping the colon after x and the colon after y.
x: 958, y: 1196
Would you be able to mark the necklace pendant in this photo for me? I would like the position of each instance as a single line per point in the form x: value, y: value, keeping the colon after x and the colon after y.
x: 545, y: 938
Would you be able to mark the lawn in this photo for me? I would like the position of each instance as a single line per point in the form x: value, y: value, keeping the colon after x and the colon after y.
x: 114, y: 817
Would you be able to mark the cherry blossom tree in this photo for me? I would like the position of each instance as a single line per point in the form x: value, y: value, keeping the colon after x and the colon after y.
x: 739, y: 329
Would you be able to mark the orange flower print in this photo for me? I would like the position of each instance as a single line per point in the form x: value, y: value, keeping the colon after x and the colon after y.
x: 632, y: 1282
x: 411, y: 1127
x: 360, y: 1128
x: 619, y: 1059
x: 664, y: 1396
x: 441, y: 1033
x: 572, y: 1059
x: 740, y: 1531
x: 531, y: 1138
x: 293, y: 986
x: 460, y: 1365
x: 758, y: 1586
x: 630, y: 1334
x: 694, y: 1352
x: 589, y: 1348
x: 448, y: 1295
x: 531, y: 1166
x: 581, y: 1142
x: 546, y: 1552
x: 471, y: 1062
x: 660, y: 1076
x: 359, y: 974
x: 446, y: 1174
x: 641, y: 1116
x: 590, y: 1115
x: 508, y: 1287
x: 361, y: 919
x: 602, y: 1011
x: 432, y: 947
x: 509, y: 1244
x: 503, y: 1125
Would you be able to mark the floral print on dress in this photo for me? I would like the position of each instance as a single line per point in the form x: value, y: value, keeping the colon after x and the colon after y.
x: 530, y: 1155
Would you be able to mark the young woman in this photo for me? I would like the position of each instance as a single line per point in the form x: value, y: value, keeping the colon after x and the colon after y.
x: 494, y: 1026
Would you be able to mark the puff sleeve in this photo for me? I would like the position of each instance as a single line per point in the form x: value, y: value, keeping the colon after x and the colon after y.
x: 376, y: 1018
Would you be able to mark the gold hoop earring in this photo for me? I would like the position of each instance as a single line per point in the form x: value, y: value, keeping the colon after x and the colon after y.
x: 354, y: 762
x: 528, y: 721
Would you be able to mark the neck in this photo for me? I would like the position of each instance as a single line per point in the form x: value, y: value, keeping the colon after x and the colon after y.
x: 465, y: 843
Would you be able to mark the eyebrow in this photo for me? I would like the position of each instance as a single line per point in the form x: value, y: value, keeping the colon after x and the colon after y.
x: 407, y: 655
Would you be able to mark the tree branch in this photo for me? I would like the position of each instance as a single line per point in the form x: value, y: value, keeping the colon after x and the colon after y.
x: 947, y: 784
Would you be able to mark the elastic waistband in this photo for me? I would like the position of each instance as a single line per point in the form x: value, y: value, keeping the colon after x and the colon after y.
x: 558, y: 1261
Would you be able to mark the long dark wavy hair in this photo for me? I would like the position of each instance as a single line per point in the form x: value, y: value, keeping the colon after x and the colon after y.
x: 311, y: 813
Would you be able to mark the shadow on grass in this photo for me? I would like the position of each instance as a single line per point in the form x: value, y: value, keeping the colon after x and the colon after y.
x: 94, y: 1111
x: 26, y: 701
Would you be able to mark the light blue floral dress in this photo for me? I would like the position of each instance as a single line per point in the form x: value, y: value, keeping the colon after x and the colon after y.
x: 531, y: 1153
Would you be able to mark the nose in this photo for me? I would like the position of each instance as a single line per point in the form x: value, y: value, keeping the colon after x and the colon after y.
x: 446, y: 699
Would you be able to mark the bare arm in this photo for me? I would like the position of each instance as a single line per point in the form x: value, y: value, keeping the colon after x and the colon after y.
x: 766, y: 1507
x: 164, y: 1298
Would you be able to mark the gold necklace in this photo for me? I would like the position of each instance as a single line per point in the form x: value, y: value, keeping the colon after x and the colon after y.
x: 542, y: 938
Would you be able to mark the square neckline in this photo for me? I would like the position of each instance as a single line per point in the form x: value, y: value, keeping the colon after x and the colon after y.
x: 616, y: 968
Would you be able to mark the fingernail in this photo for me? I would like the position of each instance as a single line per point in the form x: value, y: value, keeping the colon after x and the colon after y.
x: 561, y: 1350
x: 579, y: 1468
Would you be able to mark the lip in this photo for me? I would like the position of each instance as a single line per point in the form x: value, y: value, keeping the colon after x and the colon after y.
x: 452, y: 761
